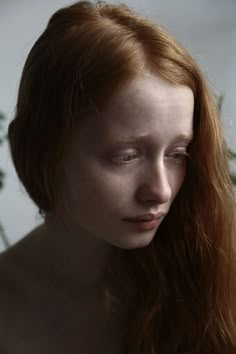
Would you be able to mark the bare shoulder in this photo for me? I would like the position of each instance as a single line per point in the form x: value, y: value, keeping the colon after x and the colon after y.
x: 11, y: 272
x: 39, y: 314
x: 10, y: 301
x: 9, y: 287
x: 12, y: 276
x: 17, y: 269
x: 16, y: 284
x: 15, y: 266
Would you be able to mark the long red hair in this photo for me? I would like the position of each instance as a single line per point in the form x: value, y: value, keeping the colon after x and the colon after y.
x: 179, y: 291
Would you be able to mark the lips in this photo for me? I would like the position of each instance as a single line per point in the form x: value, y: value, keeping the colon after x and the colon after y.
x: 145, y: 222
x: 145, y: 217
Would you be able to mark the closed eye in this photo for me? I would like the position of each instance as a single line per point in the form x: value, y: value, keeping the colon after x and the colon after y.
x: 178, y: 156
x: 124, y: 158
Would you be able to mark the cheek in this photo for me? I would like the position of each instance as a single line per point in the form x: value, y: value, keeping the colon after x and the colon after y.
x: 176, y: 180
x: 93, y: 188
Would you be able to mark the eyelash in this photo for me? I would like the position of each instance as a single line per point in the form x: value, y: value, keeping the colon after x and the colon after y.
x: 180, y: 156
x: 119, y: 159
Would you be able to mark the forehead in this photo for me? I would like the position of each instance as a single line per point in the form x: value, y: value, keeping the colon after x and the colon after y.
x: 147, y: 105
x: 150, y: 95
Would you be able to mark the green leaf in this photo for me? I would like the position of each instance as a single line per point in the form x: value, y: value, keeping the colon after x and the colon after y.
x: 220, y: 102
x: 2, y: 175
x: 233, y: 178
x: 4, y: 237
x: 2, y: 116
x: 231, y: 154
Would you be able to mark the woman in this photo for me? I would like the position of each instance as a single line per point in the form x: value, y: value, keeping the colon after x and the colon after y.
x: 117, y: 141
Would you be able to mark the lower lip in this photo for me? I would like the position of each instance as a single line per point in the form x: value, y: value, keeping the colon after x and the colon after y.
x: 142, y: 225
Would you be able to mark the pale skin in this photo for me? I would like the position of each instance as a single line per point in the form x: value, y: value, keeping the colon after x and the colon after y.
x: 128, y: 160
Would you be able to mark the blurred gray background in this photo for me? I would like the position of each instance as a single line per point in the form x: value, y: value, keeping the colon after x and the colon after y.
x: 206, y: 27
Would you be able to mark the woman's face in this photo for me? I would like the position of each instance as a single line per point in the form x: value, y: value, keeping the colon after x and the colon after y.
x: 128, y: 162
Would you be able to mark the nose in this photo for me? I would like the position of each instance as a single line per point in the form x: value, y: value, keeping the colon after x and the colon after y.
x: 155, y: 185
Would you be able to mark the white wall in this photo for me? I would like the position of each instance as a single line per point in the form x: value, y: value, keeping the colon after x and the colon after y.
x: 206, y: 27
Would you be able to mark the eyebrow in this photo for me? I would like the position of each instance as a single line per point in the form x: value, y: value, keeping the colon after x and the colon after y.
x: 146, y: 137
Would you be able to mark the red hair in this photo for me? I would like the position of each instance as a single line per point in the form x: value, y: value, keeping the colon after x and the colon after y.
x: 178, y: 290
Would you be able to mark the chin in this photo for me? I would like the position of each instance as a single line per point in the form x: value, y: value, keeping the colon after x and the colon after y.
x: 140, y: 241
